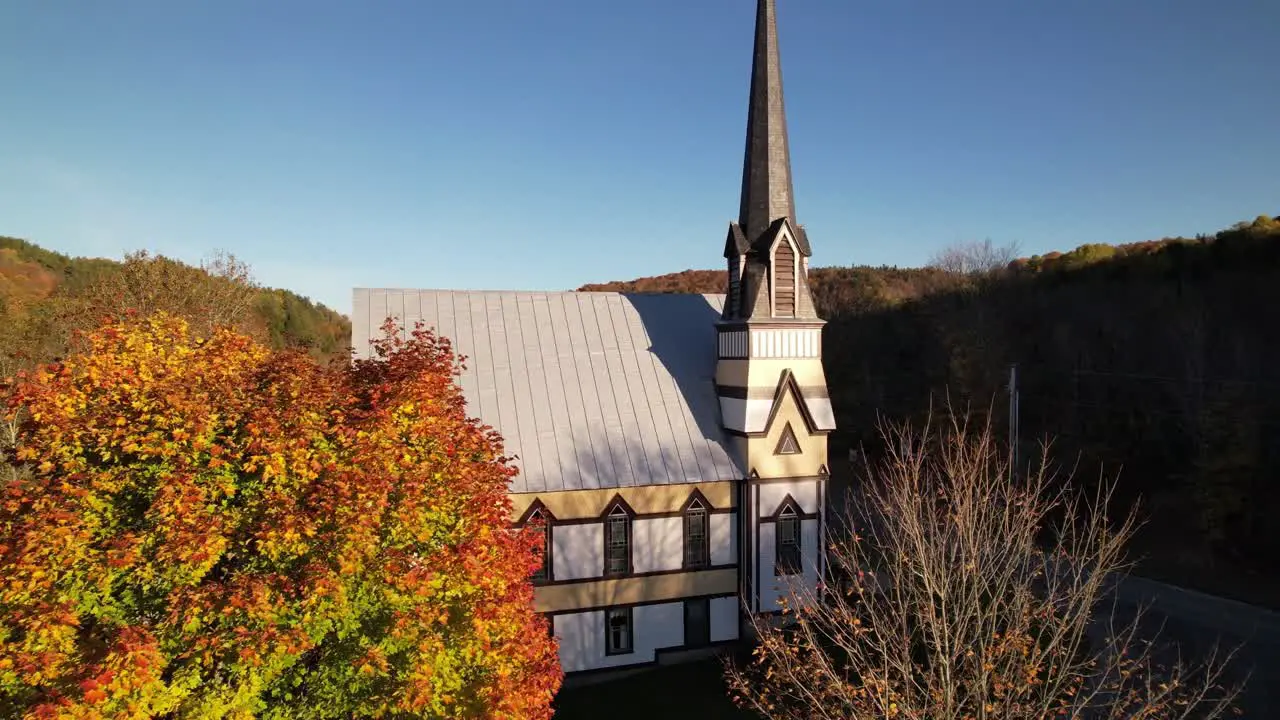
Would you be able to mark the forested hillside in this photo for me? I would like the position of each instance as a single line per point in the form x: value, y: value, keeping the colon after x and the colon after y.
x: 45, y: 297
x: 1157, y: 360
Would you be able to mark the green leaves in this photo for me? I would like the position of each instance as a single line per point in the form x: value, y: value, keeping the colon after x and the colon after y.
x: 235, y: 532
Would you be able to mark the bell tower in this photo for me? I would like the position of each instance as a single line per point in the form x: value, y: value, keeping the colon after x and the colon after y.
x: 769, y: 376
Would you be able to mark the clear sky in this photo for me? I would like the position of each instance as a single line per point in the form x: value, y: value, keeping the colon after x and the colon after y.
x: 542, y: 144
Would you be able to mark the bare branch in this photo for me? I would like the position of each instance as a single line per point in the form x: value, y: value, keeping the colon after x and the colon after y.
x: 967, y: 594
x: 975, y: 258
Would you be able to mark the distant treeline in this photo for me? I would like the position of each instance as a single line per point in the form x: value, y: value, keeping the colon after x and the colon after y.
x: 1159, y: 361
x: 46, y: 297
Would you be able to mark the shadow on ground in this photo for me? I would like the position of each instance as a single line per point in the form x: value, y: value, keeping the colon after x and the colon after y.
x: 693, y: 690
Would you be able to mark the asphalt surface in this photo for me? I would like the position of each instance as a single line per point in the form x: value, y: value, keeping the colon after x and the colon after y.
x: 1196, y: 622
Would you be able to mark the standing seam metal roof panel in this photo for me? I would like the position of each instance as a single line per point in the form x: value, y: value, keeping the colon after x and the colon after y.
x: 587, y: 389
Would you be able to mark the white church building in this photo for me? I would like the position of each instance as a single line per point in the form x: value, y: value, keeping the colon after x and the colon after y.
x: 674, y: 445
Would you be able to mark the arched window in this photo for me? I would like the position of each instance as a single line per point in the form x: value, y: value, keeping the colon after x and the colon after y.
x: 697, y: 545
x: 541, y: 518
x: 617, y: 541
x: 787, y: 541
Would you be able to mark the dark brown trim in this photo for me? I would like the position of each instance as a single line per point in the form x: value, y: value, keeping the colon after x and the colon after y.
x: 755, y: 554
x: 787, y: 434
x: 695, y: 496
x: 644, y: 516
x: 821, y: 550
x: 786, y: 382
x: 746, y: 571
x: 647, y: 574
x: 763, y: 433
x: 738, y: 392
x: 770, y: 324
x: 548, y: 551
x: 631, y: 632
x: 598, y: 608
x: 782, y: 505
x: 755, y: 479
x: 618, y: 502
x: 800, y: 517
x: 534, y: 507
x: 658, y: 653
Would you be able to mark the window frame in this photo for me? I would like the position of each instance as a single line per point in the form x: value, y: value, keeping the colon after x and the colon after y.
x: 546, y: 572
x: 791, y: 561
x: 629, y: 618
x: 536, y: 512
x: 618, y: 512
x: 696, y: 507
x: 704, y: 641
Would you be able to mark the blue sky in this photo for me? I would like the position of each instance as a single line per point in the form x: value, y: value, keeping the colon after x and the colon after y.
x: 544, y: 144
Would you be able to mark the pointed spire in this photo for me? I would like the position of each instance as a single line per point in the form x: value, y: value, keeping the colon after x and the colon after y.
x: 767, y: 194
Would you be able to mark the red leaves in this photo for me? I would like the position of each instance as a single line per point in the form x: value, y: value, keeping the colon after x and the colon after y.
x: 267, y: 505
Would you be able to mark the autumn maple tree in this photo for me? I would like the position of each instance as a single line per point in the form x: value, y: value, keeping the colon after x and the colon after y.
x: 207, y: 528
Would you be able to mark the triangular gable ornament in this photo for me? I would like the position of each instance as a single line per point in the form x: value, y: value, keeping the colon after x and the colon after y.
x: 787, y: 444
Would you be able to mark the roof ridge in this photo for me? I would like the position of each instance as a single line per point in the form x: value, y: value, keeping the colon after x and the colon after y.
x: 527, y: 292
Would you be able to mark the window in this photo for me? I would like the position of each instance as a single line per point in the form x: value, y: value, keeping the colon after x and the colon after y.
x: 617, y: 542
x: 542, y: 519
x: 617, y: 632
x: 787, y: 542
x: 697, y: 551
x: 697, y: 622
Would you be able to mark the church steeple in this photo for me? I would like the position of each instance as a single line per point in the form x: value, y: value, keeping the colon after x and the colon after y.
x: 767, y: 193
x: 769, y: 376
x: 767, y: 251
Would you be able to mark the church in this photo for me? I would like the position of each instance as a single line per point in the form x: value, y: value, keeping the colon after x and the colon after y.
x: 674, y: 446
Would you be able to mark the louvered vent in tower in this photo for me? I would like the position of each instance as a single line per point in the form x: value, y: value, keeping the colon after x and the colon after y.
x: 784, y: 280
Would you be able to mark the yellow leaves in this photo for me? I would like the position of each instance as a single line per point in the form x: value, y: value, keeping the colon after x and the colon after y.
x: 186, y: 433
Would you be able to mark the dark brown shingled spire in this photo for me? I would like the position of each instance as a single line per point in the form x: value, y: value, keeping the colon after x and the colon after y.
x: 767, y: 252
x: 767, y: 195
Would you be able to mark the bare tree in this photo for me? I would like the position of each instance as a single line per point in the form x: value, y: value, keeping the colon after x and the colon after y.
x: 975, y: 258
x: 969, y: 592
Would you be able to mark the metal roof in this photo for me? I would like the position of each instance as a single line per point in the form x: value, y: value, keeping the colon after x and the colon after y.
x: 588, y: 389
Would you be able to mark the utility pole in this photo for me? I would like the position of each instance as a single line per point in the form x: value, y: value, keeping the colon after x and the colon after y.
x: 1013, y: 419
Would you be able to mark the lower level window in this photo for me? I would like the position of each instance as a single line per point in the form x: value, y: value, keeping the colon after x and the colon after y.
x: 618, y: 632
x: 787, y: 542
x: 697, y: 622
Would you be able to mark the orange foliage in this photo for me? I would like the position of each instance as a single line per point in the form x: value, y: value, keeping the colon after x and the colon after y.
x: 212, y: 528
x: 23, y: 282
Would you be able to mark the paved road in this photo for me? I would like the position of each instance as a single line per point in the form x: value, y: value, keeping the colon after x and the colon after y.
x: 1195, y: 621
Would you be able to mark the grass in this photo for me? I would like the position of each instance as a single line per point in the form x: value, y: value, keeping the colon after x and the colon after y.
x: 693, y: 690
